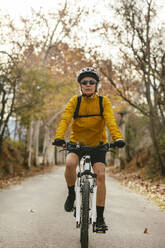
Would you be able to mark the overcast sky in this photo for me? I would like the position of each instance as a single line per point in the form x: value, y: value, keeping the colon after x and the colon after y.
x: 17, y: 8
x: 22, y: 7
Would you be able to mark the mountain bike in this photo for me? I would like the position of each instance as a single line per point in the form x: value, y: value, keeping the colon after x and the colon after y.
x: 86, y: 191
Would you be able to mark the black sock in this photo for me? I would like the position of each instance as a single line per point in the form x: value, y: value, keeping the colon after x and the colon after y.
x: 71, y: 189
x: 100, y: 211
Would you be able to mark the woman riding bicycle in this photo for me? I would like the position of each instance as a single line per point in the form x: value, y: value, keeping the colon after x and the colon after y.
x: 91, y: 113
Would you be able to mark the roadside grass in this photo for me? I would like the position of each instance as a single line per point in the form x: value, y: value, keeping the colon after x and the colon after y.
x: 12, y: 165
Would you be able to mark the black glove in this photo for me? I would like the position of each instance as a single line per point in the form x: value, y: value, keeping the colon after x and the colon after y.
x: 59, y: 142
x: 119, y: 143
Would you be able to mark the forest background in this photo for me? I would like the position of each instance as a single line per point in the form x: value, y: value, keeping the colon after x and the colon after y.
x: 40, y: 55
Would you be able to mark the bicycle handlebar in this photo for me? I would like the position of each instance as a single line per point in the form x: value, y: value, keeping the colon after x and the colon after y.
x: 71, y: 145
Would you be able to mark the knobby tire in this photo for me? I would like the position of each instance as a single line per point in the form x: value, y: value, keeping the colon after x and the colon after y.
x: 85, y: 214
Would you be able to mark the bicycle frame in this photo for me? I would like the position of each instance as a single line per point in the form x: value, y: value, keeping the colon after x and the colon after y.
x: 85, y: 173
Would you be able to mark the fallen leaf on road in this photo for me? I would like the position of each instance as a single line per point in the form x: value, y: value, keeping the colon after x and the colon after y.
x: 32, y: 210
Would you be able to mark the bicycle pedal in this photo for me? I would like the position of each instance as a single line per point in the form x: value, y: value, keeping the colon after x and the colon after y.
x: 101, y: 229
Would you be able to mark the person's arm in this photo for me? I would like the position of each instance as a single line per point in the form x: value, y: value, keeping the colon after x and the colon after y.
x: 66, y: 118
x: 110, y: 120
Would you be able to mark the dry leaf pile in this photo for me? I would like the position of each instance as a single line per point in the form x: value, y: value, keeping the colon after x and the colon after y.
x: 153, y: 191
x: 6, y: 182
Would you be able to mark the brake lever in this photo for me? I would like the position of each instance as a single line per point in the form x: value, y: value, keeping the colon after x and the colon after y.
x: 64, y: 149
x: 113, y: 151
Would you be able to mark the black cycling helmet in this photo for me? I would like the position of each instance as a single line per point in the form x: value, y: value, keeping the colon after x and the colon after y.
x: 88, y: 72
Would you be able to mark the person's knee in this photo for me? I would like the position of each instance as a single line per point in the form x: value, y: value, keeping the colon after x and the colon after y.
x: 71, y: 165
x: 100, y: 172
x: 71, y: 162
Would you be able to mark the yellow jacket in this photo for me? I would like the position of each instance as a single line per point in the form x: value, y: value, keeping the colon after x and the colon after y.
x: 89, y: 130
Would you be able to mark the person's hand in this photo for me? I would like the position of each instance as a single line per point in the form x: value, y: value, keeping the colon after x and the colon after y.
x: 59, y: 142
x: 119, y: 143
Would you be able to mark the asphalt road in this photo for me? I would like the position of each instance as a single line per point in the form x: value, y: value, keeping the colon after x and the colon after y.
x: 32, y: 216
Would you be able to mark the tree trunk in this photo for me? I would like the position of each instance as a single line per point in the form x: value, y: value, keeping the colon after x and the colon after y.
x: 122, y: 125
x: 48, y: 149
x: 1, y: 144
x: 47, y: 144
x: 15, y: 129
x: 154, y: 128
x: 36, y: 142
x: 29, y: 143
x: 4, y: 114
x: 50, y: 153
x: 155, y: 141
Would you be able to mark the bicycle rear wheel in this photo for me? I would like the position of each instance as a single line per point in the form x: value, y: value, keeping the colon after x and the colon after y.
x: 85, y: 214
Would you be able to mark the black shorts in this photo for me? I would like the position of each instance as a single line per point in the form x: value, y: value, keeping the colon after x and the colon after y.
x: 96, y: 155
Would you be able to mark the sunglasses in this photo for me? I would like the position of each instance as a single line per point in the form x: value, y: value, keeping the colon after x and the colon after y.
x: 91, y: 82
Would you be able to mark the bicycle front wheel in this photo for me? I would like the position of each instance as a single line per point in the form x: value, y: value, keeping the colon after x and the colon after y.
x: 85, y: 214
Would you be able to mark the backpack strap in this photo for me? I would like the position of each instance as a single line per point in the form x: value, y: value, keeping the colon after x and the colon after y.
x: 101, y: 105
x: 76, y: 113
x: 77, y: 107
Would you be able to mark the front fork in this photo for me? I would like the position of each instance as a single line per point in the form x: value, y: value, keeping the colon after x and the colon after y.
x: 92, y: 210
x: 93, y: 207
x: 78, y: 201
